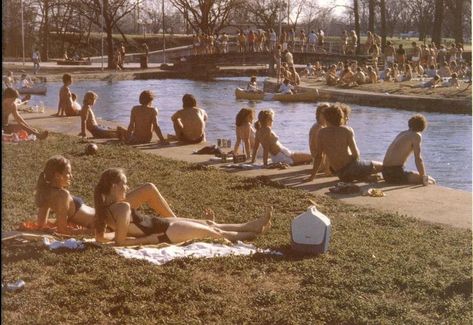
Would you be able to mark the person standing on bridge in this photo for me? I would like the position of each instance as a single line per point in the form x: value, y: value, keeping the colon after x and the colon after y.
x: 277, y: 59
x: 251, y: 41
x: 272, y: 39
x: 144, y: 59
x: 312, y: 40
x: 302, y: 40
x: 242, y: 42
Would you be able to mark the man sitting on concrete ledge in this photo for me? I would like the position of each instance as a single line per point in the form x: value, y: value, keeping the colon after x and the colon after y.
x: 189, y: 122
x: 337, y: 142
x: 400, y: 149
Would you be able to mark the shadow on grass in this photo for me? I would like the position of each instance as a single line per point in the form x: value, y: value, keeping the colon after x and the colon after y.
x: 288, y: 254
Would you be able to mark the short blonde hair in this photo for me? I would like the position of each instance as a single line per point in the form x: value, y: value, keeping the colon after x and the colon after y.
x: 90, y: 97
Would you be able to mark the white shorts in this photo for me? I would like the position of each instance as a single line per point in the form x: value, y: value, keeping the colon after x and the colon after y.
x: 284, y: 156
x: 390, y: 59
x: 415, y: 59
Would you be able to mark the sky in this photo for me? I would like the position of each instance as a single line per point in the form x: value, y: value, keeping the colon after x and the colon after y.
x: 337, y: 11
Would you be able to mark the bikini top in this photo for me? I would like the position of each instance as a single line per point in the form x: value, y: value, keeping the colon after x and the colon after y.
x: 78, y: 202
x: 142, y: 222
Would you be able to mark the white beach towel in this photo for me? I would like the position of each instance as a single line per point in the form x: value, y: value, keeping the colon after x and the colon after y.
x: 163, y: 255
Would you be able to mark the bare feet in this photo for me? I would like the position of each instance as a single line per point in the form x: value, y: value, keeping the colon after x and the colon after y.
x: 263, y: 224
x: 209, y: 215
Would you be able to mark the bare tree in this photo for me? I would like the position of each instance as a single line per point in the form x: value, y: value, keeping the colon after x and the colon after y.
x: 264, y: 13
x: 113, y: 12
x: 423, y: 11
x: 371, y: 15
x: 438, y: 20
x: 383, y: 23
x: 456, y: 7
x: 357, y: 22
x: 207, y: 16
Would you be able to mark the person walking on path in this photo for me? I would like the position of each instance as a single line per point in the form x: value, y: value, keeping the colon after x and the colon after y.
x: 36, y: 57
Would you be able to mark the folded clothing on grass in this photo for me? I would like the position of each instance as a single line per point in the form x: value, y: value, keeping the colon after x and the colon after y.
x: 163, y: 255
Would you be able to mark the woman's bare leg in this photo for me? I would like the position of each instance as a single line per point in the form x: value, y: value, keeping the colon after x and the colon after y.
x: 182, y: 230
x: 148, y: 193
x: 257, y: 226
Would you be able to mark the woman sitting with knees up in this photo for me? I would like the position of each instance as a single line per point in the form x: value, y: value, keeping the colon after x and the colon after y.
x: 116, y: 209
x: 271, y: 145
x: 52, y: 196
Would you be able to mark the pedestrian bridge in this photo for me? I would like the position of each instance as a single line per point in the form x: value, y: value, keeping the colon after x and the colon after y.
x: 209, y: 61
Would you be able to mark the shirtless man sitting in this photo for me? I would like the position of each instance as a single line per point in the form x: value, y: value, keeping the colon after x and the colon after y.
x: 9, y: 107
x: 400, y: 149
x: 337, y: 142
x: 65, y: 106
x: 143, y: 121
x: 189, y: 122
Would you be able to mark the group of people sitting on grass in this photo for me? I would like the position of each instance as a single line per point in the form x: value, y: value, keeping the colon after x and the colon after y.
x: 333, y: 147
x: 114, y: 216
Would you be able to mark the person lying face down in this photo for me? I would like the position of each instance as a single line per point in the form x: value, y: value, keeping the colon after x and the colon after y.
x: 113, y: 209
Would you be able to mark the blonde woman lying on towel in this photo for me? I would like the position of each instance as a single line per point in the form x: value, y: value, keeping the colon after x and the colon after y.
x: 115, y: 210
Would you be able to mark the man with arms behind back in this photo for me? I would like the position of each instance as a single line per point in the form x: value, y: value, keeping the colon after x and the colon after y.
x: 400, y: 149
x: 189, y: 122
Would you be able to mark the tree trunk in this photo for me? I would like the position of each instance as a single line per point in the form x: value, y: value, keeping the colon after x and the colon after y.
x: 458, y: 22
x: 371, y: 14
x: 357, y: 23
x: 110, y: 51
x: 45, y: 41
x: 383, y: 23
x: 438, y: 20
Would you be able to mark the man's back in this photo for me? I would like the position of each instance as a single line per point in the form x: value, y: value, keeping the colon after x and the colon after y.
x: 334, y: 141
x: 143, y: 118
x: 193, y: 120
x: 401, y: 147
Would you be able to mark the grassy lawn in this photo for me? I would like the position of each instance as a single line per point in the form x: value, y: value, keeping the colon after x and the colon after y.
x: 381, y: 268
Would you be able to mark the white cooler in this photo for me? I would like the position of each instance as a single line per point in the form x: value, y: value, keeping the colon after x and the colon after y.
x: 310, y: 232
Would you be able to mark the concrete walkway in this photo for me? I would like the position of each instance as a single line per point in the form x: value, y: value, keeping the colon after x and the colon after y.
x: 434, y: 204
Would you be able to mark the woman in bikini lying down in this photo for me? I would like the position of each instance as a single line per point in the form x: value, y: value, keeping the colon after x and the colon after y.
x: 115, y: 208
x: 52, y: 196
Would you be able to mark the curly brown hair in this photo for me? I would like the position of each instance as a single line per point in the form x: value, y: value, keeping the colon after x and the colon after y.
x: 417, y: 123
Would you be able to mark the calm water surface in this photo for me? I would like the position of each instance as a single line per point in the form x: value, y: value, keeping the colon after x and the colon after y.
x: 446, y: 142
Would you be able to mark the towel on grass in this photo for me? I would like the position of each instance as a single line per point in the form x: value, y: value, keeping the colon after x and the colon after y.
x: 163, y: 255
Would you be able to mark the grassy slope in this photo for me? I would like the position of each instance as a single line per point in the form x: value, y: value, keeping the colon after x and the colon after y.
x: 381, y: 268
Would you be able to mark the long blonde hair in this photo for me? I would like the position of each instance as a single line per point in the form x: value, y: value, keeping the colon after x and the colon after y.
x: 55, y: 164
x: 107, y: 179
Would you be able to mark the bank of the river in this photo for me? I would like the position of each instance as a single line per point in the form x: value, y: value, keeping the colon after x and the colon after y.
x: 431, y: 203
x: 380, y: 267
x: 392, y: 95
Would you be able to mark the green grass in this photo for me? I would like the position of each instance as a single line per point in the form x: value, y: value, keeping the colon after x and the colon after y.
x: 381, y: 268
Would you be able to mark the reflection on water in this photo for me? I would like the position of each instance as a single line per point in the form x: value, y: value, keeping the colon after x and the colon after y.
x: 446, y: 142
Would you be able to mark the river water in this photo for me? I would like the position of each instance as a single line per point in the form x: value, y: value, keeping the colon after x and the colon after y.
x: 447, y: 147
